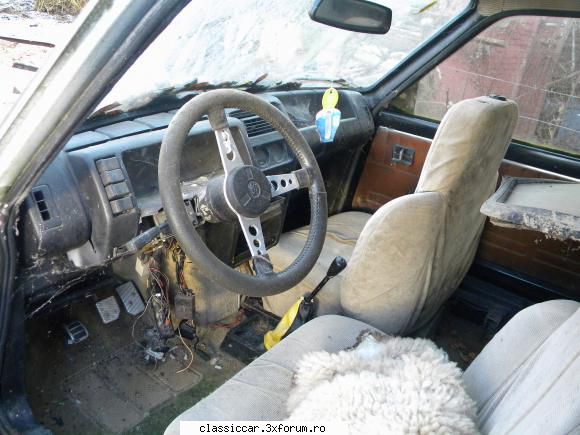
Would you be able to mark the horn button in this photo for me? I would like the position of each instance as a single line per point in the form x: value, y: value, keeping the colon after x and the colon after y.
x: 248, y: 191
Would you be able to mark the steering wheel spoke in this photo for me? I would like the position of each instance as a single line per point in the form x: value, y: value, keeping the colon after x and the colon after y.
x: 252, y: 229
x: 229, y: 153
x: 283, y: 183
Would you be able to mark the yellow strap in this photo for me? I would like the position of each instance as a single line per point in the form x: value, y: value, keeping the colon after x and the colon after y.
x: 272, y: 338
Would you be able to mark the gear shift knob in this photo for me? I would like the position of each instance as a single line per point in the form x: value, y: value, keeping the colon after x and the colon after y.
x: 337, y: 266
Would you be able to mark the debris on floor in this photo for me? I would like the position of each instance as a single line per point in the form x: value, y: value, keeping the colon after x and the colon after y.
x: 461, y: 339
x: 105, y: 384
x: 246, y: 341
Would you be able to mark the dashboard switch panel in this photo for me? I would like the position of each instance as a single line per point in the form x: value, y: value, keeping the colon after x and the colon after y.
x: 108, y: 164
x: 112, y: 176
x: 117, y: 190
x: 118, y: 206
x: 116, y: 187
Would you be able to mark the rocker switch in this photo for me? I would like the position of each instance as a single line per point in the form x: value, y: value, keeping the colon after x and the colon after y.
x: 117, y: 190
x: 403, y: 155
x: 112, y: 176
x: 119, y: 206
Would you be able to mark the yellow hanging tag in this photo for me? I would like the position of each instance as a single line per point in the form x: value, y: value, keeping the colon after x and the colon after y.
x: 328, y: 119
x: 330, y: 99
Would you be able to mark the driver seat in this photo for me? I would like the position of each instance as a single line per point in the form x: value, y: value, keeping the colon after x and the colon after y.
x: 408, y: 258
x: 524, y: 381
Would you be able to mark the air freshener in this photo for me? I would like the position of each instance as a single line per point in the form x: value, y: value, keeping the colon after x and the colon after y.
x: 328, y: 119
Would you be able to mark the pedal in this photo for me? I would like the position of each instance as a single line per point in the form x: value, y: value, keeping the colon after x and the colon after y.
x: 131, y: 298
x: 75, y: 332
x: 108, y: 309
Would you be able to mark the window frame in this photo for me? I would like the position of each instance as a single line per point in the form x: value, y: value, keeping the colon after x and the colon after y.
x: 443, y: 45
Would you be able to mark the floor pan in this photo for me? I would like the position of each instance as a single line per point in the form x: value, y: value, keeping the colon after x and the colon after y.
x: 104, y: 385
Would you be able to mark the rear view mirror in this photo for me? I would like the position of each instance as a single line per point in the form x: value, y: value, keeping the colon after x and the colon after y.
x: 354, y: 15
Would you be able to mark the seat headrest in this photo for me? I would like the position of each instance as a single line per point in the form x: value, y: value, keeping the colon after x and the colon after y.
x: 469, y: 145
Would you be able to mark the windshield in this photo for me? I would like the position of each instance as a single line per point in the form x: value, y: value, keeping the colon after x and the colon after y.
x: 265, y: 44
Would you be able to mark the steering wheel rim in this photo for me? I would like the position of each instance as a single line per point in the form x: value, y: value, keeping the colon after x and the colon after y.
x: 266, y: 282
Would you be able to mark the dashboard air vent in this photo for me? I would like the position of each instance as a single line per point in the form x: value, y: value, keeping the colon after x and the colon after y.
x: 42, y: 198
x: 241, y: 114
x: 255, y: 126
x: 41, y: 205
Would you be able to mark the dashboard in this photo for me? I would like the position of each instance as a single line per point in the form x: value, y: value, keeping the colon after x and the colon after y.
x: 99, y: 191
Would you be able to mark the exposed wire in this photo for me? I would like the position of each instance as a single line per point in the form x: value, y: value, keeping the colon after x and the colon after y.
x: 178, y: 257
x: 159, y: 281
x: 188, y: 349
x: 147, y: 305
x: 239, y: 318
x: 135, y: 323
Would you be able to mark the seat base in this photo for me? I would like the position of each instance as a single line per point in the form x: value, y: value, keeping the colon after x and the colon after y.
x: 342, y: 233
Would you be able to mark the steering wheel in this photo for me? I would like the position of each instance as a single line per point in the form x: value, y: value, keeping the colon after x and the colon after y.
x: 243, y: 194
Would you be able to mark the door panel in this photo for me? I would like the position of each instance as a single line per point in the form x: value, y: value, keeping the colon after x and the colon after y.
x: 553, y: 263
x: 382, y: 178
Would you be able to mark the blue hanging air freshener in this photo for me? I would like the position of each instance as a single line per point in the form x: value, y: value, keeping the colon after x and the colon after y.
x: 328, y: 119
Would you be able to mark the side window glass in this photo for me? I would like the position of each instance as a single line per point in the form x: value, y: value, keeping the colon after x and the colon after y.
x: 532, y: 60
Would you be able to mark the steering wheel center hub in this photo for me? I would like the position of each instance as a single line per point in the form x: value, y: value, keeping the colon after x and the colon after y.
x: 254, y: 189
x: 248, y: 191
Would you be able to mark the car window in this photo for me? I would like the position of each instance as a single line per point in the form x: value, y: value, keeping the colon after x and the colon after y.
x: 30, y: 34
x: 533, y: 60
x: 265, y: 44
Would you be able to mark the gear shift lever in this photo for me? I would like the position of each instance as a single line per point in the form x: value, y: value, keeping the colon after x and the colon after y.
x: 337, y: 266
x: 303, y: 310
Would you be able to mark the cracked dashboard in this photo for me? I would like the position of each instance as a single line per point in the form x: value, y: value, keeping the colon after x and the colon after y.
x: 98, y: 192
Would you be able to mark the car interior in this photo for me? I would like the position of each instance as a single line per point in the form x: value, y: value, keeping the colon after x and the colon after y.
x: 163, y: 242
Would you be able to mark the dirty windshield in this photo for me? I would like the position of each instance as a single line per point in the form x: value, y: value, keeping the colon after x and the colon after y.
x: 261, y: 45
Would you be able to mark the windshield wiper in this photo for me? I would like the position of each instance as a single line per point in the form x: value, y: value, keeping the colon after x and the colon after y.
x: 342, y: 83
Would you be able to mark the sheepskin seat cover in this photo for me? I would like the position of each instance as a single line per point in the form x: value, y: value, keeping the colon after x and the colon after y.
x: 385, y: 385
x: 524, y: 381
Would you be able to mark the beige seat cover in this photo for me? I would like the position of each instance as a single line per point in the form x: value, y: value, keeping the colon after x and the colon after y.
x: 527, y: 379
x: 415, y: 250
x: 524, y: 381
x: 341, y: 236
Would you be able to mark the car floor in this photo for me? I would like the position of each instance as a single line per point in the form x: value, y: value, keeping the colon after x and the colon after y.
x: 473, y: 315
x: 104, y: 385
x: 462, y: 339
